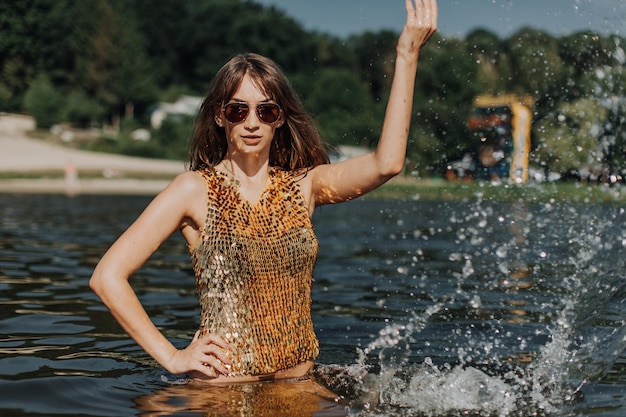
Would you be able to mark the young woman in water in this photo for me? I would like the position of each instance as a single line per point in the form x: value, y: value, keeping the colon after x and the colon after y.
x: 258, y: 170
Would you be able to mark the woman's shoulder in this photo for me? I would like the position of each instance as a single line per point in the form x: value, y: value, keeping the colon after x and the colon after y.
x: 189, y: 182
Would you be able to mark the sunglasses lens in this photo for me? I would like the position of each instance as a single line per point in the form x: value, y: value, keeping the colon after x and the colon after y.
x: 236, y: 112
x: 268, y: 112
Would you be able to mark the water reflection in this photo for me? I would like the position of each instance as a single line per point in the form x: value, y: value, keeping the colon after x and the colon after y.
x: 519, y: 274
x: 297, y: 399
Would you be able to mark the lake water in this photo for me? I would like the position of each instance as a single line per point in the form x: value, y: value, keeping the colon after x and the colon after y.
x: 422, y: 308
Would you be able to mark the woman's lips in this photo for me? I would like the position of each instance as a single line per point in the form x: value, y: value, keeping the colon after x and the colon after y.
x: 251, y: 139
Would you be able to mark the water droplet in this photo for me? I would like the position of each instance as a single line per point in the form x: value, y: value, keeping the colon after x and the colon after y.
x: 475, y: 302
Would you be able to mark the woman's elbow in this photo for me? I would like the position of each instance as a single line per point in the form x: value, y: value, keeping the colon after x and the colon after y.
x: 389, y: 164
x: 397, y: 169
x: 95, y: 283
x: 98, y: 281
x: 391, y: 169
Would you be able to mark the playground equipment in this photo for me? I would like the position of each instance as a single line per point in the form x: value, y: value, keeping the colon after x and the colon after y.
x: 501, y: 128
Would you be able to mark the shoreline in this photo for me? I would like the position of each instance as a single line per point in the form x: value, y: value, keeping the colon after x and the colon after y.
x: 32, y: 166
x: 37, y: 167
x: 120, y: 186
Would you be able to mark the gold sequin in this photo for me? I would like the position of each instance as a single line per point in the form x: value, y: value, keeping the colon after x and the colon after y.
x: 254, y: 271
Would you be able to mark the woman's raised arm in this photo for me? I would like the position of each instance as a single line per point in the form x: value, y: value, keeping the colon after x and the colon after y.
x: 354, y: 177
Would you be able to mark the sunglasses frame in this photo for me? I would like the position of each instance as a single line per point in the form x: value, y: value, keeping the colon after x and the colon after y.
x: 258, y: 109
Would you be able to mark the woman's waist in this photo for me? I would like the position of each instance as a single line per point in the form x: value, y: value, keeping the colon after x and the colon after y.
x: 256, y: 336
x: 258, y: 350
x: 300, y: 371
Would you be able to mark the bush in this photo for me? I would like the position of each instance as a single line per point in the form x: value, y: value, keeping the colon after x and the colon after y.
x: 169, y: 142
x: 44, y: 102
x: 5, y: 97
x: 82, y: 110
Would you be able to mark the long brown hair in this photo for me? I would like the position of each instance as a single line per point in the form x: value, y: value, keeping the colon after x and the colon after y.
x: 297, y: 145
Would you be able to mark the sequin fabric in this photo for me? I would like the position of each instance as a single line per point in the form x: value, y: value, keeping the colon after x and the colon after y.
x: 254, y: 270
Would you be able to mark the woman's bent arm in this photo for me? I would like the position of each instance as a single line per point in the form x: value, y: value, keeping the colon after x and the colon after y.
x: 110, y: 280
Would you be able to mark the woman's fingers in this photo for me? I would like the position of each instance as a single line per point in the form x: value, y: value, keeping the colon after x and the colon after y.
x: 422, y: 14
x: 424, y: 10
x: 212, y: 355
x: 196, y: 336
x: 215, y: 339
x: 421, y: 24
x: 217, y: 347
x: 430, y: 11
x: 213, y: 367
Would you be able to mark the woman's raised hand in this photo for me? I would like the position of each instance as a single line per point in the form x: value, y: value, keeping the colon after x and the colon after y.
x: 421, y: 24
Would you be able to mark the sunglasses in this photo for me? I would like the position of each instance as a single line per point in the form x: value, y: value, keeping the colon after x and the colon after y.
x: 237, y: 112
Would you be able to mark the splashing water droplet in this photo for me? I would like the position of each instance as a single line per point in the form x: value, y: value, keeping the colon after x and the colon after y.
x: 475, y: 302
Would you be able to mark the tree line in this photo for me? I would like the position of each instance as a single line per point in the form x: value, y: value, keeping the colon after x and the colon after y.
x: 107, y: 62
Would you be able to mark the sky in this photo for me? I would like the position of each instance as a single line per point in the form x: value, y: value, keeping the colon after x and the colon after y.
x: 458, y: 17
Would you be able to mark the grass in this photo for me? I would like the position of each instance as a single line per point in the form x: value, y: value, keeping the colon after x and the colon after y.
x: 33, y: 175
x: 430, y: 190
x: 556, y: 192
x: 408, y: 188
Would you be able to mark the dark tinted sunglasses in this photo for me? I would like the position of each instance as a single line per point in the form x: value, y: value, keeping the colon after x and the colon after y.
x: 237, y: 112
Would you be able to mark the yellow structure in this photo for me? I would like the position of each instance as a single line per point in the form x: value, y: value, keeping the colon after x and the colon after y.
x: 519, y: 125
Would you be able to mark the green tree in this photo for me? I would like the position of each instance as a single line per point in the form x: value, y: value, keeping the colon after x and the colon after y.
x: 39, y: 36
x: 344, y: 111
x: 375, y: 54
x: 609, y: 85
x: 117, y: 71
x: 164, y: 26
x: 20, y: 51
x: 211, y: 31
x: 330, y: 52
x: 568, y: 141
x: 584, y: 51
x: 5, y: 97
x: 494, y: 64
x: 173, y: 136
x: 443, y: 98
x: 44, y: 102
x: 81, y: 110
x: 536, y: 67
x: 15, y: 78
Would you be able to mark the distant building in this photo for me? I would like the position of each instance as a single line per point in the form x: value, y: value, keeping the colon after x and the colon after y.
x: 343, y: 152
x: 185, y: 105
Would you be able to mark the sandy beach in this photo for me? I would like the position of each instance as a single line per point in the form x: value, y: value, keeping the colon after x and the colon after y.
x: 54, y: 168
x: 20, y: 154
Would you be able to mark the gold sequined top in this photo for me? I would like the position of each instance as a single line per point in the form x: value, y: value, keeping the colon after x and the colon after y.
x: 254, y: 270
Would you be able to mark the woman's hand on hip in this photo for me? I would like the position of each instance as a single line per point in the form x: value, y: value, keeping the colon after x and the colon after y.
x: 206, y: 354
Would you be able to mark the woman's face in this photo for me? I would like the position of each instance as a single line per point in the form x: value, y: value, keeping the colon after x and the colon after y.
x: 247, y: 133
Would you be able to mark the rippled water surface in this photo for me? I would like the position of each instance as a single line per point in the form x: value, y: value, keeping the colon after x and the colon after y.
x: 422, y: 308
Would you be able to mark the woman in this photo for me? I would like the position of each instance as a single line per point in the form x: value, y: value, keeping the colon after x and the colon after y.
x: 258, y: 170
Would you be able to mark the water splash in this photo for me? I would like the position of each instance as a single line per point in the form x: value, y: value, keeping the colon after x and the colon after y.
x: 494, y: 368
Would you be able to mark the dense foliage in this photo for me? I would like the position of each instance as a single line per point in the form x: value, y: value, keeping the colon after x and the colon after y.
x: 107, y: 62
